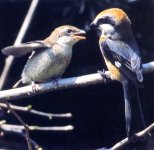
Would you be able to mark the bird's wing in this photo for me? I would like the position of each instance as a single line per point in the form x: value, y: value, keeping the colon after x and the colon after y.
x: 123, y: 57
x: 24, y: 48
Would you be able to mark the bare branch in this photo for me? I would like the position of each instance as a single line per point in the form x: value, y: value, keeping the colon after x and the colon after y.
x: 138, y: 135
x: 40, y: 113
x: 19, y: 128
x: 85, y: 80
x: 2, y: 122
x: 148, y: 67
x: 25, y: 126
x: 21, y: 34
x: 22, y: 92
x: 20, y: 133
x: 9, y: 61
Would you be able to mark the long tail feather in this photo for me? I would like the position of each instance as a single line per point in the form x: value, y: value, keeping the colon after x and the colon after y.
x: 133, y: 111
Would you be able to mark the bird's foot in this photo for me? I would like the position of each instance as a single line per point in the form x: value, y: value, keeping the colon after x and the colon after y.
x: 104, y: 75
x: 35, y: 88
x: 55, y: 81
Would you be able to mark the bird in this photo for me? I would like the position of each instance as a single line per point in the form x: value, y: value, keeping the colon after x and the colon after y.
x: 49, y: 57
x: 122, y: 57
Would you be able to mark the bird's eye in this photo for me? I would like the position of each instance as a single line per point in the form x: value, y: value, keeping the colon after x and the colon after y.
x: 68, y: 31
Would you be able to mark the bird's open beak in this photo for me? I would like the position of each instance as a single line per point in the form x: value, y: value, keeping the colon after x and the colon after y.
x: 80, y: 35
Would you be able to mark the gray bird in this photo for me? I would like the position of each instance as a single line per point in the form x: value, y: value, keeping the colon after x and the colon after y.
x: 50, y: 57
x: 122, y: 57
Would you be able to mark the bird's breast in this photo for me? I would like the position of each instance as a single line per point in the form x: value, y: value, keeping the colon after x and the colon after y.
x: 44, y: 66
x: 114, y: 71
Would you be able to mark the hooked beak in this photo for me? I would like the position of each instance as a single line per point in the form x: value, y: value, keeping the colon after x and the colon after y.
x: 80, y: 35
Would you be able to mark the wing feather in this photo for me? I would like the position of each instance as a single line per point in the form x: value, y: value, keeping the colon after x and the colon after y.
x: 123, y: 57
x: 24, y: 48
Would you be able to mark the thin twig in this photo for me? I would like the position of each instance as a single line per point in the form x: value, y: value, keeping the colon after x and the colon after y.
x: 21, y: 34
x: 40, y: 113
x: 34, y: 143
x: 20, y: 128
x: 125, y: 141
x: 19, y: 132
x: 25, y: 126
x: 85, y: 80
x: 138, y: 135
x: 9, y: 61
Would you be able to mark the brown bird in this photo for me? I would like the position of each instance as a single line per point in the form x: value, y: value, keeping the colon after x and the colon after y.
x: 50, y: 57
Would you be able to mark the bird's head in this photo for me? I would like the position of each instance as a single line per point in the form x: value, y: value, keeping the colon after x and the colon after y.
x: 67, y: 35
x: 112, y: 22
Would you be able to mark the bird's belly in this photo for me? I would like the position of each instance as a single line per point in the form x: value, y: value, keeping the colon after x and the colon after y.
x: 47, y: 73
x: 43, y: 68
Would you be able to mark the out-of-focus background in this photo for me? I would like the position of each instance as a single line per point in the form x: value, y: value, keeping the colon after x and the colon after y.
x: 98, y: 110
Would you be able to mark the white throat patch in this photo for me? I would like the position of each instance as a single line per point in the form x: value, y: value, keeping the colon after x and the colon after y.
x: 107, y: 29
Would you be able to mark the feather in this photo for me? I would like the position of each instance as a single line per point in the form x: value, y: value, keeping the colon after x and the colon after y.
x: 24, y: 48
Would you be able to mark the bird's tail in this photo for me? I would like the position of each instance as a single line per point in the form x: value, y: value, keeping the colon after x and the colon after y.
x: 133, y: 110
x: 17, y: 84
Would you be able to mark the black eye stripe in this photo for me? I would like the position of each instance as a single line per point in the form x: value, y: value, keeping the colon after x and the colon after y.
x: 107, y: 20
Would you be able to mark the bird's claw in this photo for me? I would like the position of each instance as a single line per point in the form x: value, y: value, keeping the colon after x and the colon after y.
x: 104, y: 75
x: 55, y: 81
x: 35, y: 88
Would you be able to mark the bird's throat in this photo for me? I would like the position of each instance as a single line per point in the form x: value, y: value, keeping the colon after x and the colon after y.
x: 64, y: 49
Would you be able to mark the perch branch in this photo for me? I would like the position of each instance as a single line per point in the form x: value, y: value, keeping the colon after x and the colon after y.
x: 148, y: 67
x: 36, y: 112
x: 50, y: 86
x: 21, y: 34
x: 96, y: 78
